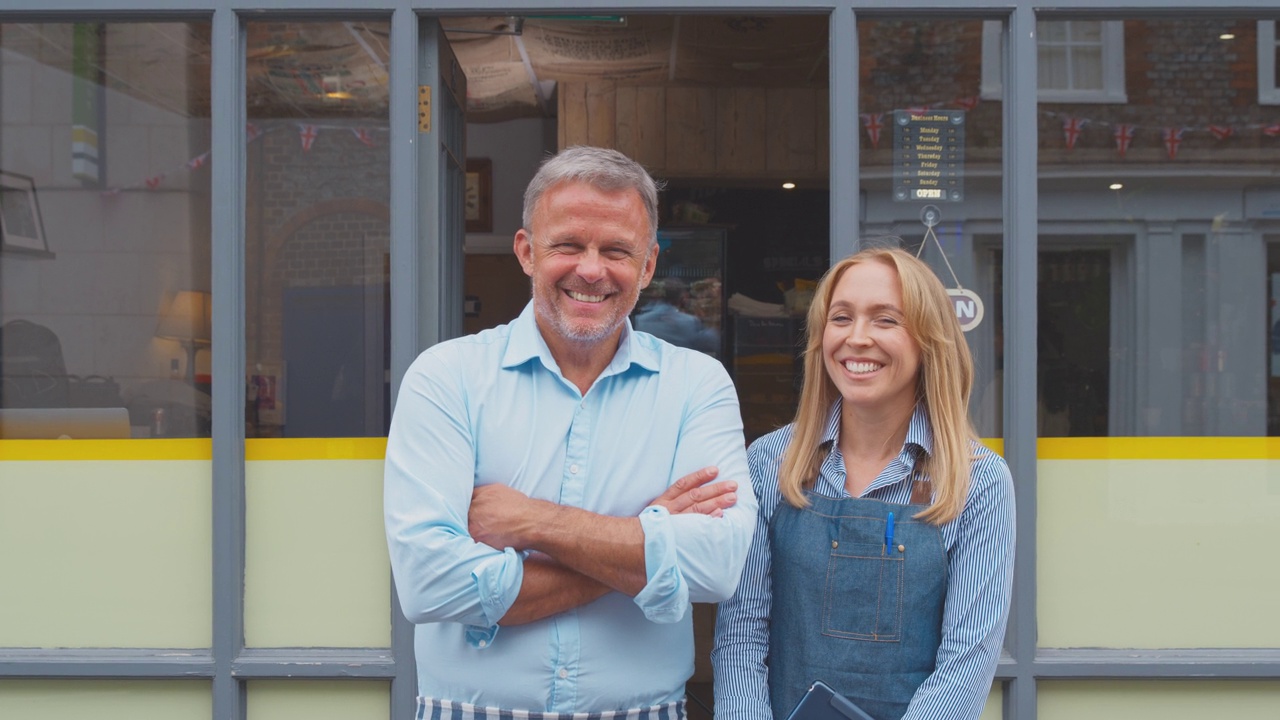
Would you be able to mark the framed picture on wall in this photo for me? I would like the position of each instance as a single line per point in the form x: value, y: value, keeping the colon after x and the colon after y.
x: 266, y: 392
x: 21, y: 227
x: 479, y: 196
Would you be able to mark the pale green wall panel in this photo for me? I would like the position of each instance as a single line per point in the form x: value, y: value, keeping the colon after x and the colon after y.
x: 316, y: 566
x: 994, y: 709
x: 1158, y: 553
x: 105, y: 699
x: 317, y: 700
x: 105, y: 553
x: 1158, y: 700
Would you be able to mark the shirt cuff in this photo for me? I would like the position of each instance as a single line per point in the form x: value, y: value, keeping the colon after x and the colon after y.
x: 665, y: 596
x: 497, y: 581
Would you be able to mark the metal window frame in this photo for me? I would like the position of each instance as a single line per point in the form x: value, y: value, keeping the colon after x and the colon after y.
x: 227, y: 663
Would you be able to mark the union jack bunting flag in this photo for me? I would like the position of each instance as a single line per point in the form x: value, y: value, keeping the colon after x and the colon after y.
x: 874, y: 124
x: 1071, y: 129
x: 1124, y: 136
x: 308, y: 134
x: 1172, y: 139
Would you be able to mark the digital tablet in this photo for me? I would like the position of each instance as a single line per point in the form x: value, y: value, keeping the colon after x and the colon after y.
x: 823, y: 703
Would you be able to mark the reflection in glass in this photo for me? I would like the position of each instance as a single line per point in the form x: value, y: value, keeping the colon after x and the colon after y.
x: 1155, y: 266
x: 928, y: 76
x: 317, y: 233
x: 104, y: 140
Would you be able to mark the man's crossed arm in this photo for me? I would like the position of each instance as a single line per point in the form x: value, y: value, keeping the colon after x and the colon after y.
x: 577, y: 556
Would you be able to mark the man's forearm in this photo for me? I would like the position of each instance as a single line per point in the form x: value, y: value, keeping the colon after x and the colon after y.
x: 607, y: 549
x: 549, y: 588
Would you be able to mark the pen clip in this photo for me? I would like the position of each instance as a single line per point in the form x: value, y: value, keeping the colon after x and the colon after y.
x: 888, y: 533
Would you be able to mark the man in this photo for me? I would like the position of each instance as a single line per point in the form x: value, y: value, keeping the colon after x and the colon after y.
x: 536, y: 536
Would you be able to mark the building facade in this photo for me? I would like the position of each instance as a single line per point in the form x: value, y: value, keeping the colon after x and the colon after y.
x: 228, y: 228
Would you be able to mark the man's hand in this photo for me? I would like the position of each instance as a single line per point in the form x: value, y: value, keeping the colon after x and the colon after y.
x: 693, y: 494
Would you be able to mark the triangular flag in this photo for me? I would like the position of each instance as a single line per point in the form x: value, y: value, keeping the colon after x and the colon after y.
x: 308, y: 134
x: 874, y: 124
x: 1221, y: 132
x: 1271, y: 130
x: 967, y: 103
x: 197, y: 162
x: 363, y: 135
x: 154, y: 182
x: 918, y: 109
x: 1172, y: 140
x: 1071, y: 129
x: 251, y: 132
x: 1124, y: 136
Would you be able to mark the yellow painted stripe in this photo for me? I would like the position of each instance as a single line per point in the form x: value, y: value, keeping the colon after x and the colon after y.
x: 142, y: 449
x: 995, y: 445
x: 1159, y: 448
x: 374, y: 448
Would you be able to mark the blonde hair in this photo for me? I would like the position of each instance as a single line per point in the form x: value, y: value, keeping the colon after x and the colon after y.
x: 944, y: 384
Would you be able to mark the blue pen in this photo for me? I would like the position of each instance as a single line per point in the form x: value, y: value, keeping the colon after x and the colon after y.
x: 888, y: 533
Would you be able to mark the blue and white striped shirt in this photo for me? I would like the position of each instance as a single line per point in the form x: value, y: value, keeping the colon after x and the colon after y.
x: 979, y: 546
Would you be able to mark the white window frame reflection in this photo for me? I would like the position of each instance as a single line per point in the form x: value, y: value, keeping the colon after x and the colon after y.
x: 1113, y: 81
x: 1268, y: 92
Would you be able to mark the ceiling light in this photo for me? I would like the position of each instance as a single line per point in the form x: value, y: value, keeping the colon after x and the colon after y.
x: 788, y: 186
x: 1227, y: 36
x: 1116, y: 186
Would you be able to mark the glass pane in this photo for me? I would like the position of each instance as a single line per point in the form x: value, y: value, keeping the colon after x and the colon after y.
x: 1085, y: 31
x: 106, y: 699
x: 317, y: 233
x: 1182, y: 700
x: 105, y: 255
x: 932, y: 177
x: 1155, y: 246
x: 1052, y: 32
x: 1086, y: 68
x: 1052, y: 68
x: 725, y: 109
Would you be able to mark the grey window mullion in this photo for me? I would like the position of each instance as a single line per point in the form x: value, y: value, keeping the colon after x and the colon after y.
x: 404, y: 288
x: 228, y: 191
x: 1020, y: 283
x: 845, y: 194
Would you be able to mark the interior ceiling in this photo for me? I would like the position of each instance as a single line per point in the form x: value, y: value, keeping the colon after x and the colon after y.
x: 513, y: 64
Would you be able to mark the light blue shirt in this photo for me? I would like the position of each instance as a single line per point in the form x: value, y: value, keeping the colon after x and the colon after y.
x: 494, y: 407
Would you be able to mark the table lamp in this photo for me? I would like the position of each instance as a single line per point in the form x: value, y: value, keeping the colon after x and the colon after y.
x: 188, y: 319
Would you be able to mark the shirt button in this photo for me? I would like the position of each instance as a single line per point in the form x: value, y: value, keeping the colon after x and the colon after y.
x: 573, y: 469
x: 563, y: 673
x: 483, y: 643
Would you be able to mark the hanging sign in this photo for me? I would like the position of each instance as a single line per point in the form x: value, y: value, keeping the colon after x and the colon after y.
x: 928, y: 155
x: 967, y: 304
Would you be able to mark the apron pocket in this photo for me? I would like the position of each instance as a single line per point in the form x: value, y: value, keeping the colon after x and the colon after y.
x: 863, y: 598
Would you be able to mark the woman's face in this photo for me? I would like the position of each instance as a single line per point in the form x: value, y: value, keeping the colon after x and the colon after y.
x: 868, y: 353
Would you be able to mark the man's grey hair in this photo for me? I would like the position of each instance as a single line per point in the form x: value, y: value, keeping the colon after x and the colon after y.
x: 601, y: 168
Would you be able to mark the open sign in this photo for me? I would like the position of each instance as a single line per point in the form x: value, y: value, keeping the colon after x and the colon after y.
x: 968, y: 307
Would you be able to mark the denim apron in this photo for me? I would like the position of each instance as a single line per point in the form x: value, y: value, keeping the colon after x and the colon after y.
x: 864, y: 618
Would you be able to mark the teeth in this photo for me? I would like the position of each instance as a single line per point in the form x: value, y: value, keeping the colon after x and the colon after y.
x: 585, y: 298
x: 861, y: 367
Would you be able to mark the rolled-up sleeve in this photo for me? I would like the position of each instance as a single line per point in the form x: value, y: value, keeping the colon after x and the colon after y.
x: 692, y: 557
x: 441, y: 574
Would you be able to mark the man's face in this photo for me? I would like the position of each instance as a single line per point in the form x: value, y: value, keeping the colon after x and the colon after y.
x: 589, y: 255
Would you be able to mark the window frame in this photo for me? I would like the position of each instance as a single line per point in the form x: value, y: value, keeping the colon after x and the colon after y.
x: 1113, y: 68
x: 1268, y: 90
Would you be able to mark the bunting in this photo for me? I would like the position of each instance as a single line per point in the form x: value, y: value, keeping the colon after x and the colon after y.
x: 967, y: 103
x: 1071, y: 129
x: 363, y: 135
x: 874, y: 124
x: 1124, y: 136
x: 1172, y: 140
x: 308, y: 135
x: 1221, y: 132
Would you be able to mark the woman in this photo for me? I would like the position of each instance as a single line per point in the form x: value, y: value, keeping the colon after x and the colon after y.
x: 883, y: 554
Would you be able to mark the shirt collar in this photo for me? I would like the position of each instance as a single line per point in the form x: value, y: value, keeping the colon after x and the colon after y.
x: 919, y: 431
x: 526, y: 343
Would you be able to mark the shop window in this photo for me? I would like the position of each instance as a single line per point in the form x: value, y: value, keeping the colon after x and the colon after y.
x: 1079, y: 61
x: 1268, y: 63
